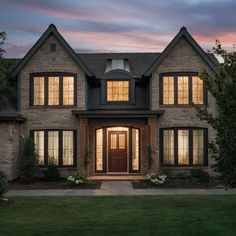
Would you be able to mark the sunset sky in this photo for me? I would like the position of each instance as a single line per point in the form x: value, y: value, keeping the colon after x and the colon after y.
x: 117, y: 25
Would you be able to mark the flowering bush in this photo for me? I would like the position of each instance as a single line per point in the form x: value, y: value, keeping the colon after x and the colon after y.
x: 76, y: 179
x: 157, y: 179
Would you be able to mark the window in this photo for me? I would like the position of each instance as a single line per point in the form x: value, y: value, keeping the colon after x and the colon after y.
x: 118, y: 91
x: 182, y: 89
x: 53, y: 89
x: 55, y: 146
x: 39, y: 90
x: 183, y: 146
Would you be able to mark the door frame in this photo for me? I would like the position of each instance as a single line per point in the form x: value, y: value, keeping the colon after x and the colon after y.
x: 127, y: 149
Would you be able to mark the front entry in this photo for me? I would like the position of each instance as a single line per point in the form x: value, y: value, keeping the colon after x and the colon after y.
x: 117, y: 151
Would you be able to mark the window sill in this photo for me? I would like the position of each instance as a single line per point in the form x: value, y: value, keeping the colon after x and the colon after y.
x: 184, y: 167
x: 49, y: 107
x: 182, y: 106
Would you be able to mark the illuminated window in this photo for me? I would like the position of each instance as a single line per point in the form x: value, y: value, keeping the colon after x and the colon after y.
x: 53, y: 90
x: 39, y: 146
x: 181, y: 89
x: 184, y: 146
x: 68, y: 149
x: 117, y: 91
x: 99, y: 150
x: 197, y: 90
x: 61, y: 155
x: 68, y: 90
x: 168, y: 147
x: 135, y: 149
x: 53, y: 152
x: 38, y: 91
x: 198, y: 147
x: 168, y: 90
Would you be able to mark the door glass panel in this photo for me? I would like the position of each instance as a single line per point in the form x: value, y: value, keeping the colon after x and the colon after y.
x: 135, y: 149
x: 121, y: 141
x: 99, y: 149
x: 113, y: 141
x: 183, y: 147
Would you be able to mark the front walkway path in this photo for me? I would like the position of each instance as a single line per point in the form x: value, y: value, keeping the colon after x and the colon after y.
x: 113, y: 188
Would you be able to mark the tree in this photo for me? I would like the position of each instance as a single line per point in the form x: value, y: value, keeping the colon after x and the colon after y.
x: 7, y: 84
x: 223, y: 88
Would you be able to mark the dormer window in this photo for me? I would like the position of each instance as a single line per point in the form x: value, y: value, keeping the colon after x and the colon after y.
x: 117, y: 64
x: 117, y: 91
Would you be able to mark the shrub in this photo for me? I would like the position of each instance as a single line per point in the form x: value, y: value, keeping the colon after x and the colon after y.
x: 28, y: 161
x: 200, y: 175
x: 51, y: 173
x: 3, y: 184
x: 157, y: 179
x: 76, y: 179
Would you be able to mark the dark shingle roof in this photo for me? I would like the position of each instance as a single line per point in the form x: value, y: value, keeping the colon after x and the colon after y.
x: 138, y: 62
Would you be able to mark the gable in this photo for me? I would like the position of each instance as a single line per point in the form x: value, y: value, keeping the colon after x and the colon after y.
x: 52, y: 31
x: 182, y: 36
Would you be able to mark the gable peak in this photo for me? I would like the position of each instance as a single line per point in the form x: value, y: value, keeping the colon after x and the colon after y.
x: 183, y: 28
x: 52, y: 26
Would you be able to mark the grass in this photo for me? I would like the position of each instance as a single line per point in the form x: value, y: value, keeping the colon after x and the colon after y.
x: 139, y: 215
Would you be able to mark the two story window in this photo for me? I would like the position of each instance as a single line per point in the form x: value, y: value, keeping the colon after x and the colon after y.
x: 182, y: 89
x: 55, y: 146
x: 183, y: 146
x: 53, y: 89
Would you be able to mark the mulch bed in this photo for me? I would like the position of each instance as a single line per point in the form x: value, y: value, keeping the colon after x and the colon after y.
x: 43, y: 184
x: 179, y: 183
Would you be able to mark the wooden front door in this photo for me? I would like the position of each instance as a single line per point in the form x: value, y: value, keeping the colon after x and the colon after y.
x: 117, y: 151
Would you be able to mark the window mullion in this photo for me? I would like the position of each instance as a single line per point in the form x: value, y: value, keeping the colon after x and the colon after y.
x: 176, y: 146
x: 45, y: 148
x: 190, y: 147
x: 60, y: 147
x: 61, y: 90
x: 190, y: 92
x: 46, y: 90
x: 175, y: 89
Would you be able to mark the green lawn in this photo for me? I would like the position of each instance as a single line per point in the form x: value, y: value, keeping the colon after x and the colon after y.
x: 154, y: 215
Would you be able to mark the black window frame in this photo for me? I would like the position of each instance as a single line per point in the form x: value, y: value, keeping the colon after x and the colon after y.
x: 190, y: 98
x: 60, y: 146
x: 190, y: 141
x: 50, y: 74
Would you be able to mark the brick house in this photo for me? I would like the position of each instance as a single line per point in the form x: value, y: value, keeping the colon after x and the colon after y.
x: 120, y: 108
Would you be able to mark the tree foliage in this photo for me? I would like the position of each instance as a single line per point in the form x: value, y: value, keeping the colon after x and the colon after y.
x: 7, y: 84
x: 223, y: 88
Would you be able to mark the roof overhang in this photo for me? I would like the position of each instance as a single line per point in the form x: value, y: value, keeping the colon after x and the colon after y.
x: 12, y: 117
x: 117, y: 113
